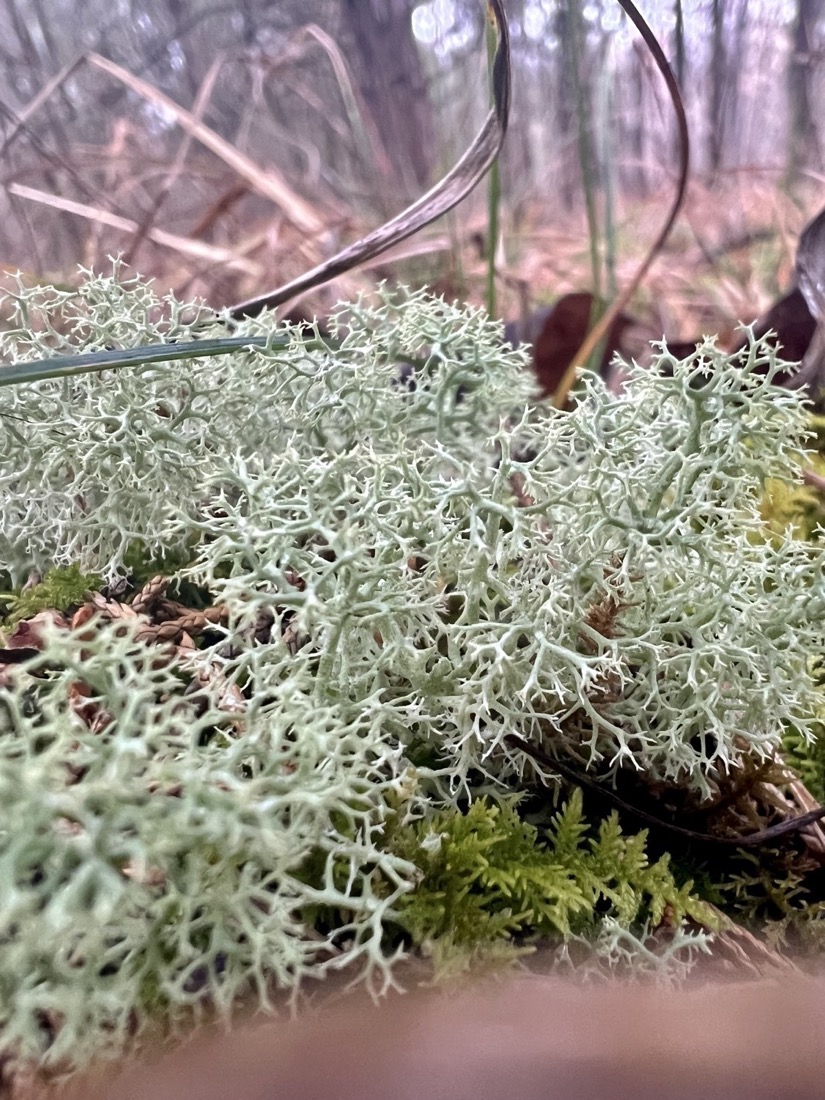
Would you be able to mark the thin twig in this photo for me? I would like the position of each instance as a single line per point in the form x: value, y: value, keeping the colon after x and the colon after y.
x: 816, y: 481
x: 747, y: 840
x: 446, y: 194
x: 600, y: 330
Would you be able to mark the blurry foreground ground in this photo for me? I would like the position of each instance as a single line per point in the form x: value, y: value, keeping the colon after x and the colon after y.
x: 528, y: 1039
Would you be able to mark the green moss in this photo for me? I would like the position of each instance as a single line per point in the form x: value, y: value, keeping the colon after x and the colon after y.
x: 141, y: 564
x: 796, y: 506
x: 807, y: 760
x: 489, y: 877
x: 61, y: 589
x: 799, y: 508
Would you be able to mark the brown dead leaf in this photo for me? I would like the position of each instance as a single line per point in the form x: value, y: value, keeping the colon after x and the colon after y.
x: 29, y: 634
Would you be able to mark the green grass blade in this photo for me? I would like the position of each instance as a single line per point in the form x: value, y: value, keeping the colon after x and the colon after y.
x: 61, y: 366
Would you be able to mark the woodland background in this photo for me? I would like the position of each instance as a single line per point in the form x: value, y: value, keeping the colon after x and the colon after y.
x: 307, y: 123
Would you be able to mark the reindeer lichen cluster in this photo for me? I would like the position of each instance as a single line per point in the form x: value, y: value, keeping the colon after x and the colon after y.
x: 153, y: 857
x: 413, y: 561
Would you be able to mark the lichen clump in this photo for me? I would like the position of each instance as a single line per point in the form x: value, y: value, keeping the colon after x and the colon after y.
x: 413, y: 561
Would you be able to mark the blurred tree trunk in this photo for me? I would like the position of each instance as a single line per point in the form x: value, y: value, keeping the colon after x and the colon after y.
x: 634, y: 138
x: 717, y: 87
x: 732, y: 117
x: 803, y: 147
x: 565, y: 116
x: 393, y: 84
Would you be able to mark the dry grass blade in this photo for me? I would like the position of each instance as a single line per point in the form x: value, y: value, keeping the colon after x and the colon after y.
x: 737, y: 952
x: 208, y: 252
x: 358, y: 119
x: 37, y: 102
x: 268, y: 183
x: 176, y: 168
x: 601, y: 329
x: 754, y: 839
x: 804, y: 801
x: 64, y: 366
x: 446, y: 194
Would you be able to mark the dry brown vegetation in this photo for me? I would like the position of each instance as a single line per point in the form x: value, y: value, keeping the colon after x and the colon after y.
x: 731, y: 254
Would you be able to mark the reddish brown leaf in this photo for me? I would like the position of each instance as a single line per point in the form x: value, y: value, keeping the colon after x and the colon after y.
x: 792, y: 321
x: 29, y: 633
x: 562, y: 335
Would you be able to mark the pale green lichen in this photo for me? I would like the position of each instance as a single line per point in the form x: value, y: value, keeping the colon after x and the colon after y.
x: 411, y: 571
x: 154, y: 848
x: 629, y: 613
